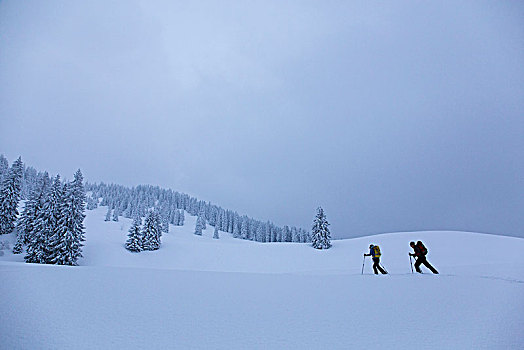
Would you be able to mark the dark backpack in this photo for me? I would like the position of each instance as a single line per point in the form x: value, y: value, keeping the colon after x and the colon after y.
x: 423, y: 249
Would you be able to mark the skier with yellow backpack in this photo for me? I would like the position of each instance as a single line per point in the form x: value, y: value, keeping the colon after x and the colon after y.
x: 374, y: 252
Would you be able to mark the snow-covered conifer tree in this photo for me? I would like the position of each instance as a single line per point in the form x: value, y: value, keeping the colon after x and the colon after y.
x: 4, y: 167
x: 27, y: 220
x: 175, y: 217
x: 24, y: 224
x: 181, y: 218
x: 115, y: 214
x: 202, y: 215
x: 267, y: 232
x: 321, y: 236
x: 244, y: 228
x: 10, y: 192
x: 295, y: 234
x: 134, y: 242
x: 66, y: 243
x: 165, y: 220
x: 215, y: 233
x: 260, y: 235
x: 199, y: 226
x: 47, y: 215
x: 152, y: 231
x: 286, y: 234
x: 108, y: 214
x: 236, y: 227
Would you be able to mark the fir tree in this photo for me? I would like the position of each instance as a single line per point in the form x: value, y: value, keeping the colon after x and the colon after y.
x: 268, y: 232
x: 33, y: 237
x: 286, y: 234
x: 165, y: 221
x: 199, y: 226
x: 66, y: 242
x: 47, y: 215
x: 4, y: 167
x: 181, y: 218
x: 215, y: 233
x: 236, y: 228
x: 244, y: 228
x: 134, y: 242
x: 152, y: 231
x: 202, y: 215
x: 295, y: 234
x: 321, y: 236
x: 260, y: 235
x: 26, y: 222
x: 10, y: 192
x: 108, y: 214
x: 115, y: 215
x: 175, y: 217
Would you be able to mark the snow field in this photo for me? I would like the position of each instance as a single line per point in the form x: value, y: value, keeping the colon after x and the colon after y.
x: 201, y: 293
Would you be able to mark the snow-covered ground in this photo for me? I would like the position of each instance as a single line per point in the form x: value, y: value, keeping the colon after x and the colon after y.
x: 201, y: 293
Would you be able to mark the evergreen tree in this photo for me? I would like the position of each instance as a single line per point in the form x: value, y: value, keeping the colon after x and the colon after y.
x: 267, y: 232
x: 260, y: 235
x: 321, y: 236
x: 152, y: 231
x: 134, y: 242
x: 286, y: 234
x: 4, y: 167
x: 10, y: 192
x: 165, y: 221
x: 47, y: 214
x: 295, y: 234
x: 65, y: 244
x: 202, y: 215
x: 108, y: 214
x: 115, y: 215
x: 175, y: 217
x: 27, y: 220
x: 181, y: 218
x: 24, y: 225
x: 236, y: 227
x: 244, y: 228
x: 215, y: 233
x: 199, y: 226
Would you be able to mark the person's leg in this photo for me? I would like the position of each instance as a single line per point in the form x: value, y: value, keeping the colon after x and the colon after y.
x: 417, y: 264
x: 428, y: 265
x: 375, y: 265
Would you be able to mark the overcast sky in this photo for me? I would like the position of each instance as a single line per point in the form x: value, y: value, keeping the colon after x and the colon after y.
x: 393, y: 116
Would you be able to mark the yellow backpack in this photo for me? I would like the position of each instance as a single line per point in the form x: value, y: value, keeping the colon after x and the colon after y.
x: 376, y: 251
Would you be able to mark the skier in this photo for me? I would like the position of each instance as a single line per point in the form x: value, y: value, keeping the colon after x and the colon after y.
x: 420, y: 254
x: 374, y: 252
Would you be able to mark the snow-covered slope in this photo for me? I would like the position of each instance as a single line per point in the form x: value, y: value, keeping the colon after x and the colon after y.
x: 201, y: 293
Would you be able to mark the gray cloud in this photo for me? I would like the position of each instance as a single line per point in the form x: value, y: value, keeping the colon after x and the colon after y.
x: 392, y: 116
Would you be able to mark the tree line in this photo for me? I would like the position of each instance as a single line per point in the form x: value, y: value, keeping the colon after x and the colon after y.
x: 170, y: 206
x: 51, y: 229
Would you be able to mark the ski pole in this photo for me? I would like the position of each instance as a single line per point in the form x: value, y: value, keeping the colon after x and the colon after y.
x: 411, y: 264
x: 363, y: 261
x: 384, y: 268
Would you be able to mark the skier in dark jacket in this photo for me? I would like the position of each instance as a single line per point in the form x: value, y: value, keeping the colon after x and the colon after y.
x: 420, y: 254
x: 375, y: 254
